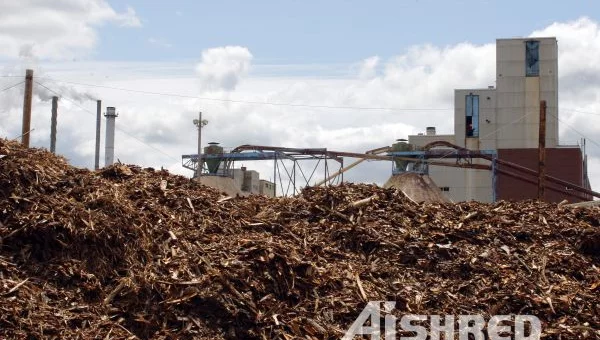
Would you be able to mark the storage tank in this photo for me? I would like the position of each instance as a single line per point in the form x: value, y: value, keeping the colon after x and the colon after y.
x: 212, y: 164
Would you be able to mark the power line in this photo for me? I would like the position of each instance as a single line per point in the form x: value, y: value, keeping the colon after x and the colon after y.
x: 177, y: 95
x: 506, y: 125
x: 121, y: 130
x: 10, y: 87
x: 577, y: 131
x: 493, y: 132
x: 585, y: 112
x: 261, y: 103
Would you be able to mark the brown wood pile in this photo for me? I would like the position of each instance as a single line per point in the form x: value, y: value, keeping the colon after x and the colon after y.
x: 418, y: 187
x: 127, y: 252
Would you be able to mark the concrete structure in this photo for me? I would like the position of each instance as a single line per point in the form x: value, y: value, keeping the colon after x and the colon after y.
x: 249, y: 182
x: 219, y: 173
x: 225, y: 185
x: 240, y: 182
x: 109, y: 142
x: 506, y: 117
x: 267, y: 188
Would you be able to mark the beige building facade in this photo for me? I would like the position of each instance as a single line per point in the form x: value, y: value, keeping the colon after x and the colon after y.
x: 504, y: 116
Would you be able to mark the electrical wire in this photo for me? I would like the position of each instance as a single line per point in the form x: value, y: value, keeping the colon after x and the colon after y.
x: 278, y: 104
x: 176, y: 95
x: 117, y: 128
x: 584, y: 112
x: 258, y: 102
x: 493, y: 132
x: 574, y: 129
x: 146, y: 92
x: 519, y: 119
x: 316, y: 106
x: 10, y: 87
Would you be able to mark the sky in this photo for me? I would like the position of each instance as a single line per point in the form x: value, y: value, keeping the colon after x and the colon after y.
x: 382, y: 69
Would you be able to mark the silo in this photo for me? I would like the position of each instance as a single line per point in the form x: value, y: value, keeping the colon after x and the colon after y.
x: 212, y: 164
x: 399, y: 146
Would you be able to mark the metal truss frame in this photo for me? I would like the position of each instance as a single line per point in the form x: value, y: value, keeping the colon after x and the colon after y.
x: 290, y: 172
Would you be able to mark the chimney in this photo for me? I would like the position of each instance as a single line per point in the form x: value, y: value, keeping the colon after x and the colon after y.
x: 109, y: 143
x: 53, y: 124
x: 98, y: 124
x: 430, y: 131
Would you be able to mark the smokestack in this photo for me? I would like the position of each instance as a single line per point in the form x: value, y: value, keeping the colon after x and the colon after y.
x: 98, y: 124
x: 53, y: 124
x: 109, y: 143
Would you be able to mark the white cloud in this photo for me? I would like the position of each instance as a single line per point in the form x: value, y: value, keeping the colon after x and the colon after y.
x: 579, y: 85
x: 579, y: 45
x: 222, y: 68
x: 431, y: 73
x: 368, y: 67
x: 128, y: 19
x: 59, y: 29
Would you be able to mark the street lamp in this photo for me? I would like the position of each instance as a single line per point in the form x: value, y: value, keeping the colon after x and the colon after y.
x: 200, y: 123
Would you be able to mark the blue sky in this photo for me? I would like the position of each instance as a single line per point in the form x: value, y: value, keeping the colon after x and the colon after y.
x: 323, y: 31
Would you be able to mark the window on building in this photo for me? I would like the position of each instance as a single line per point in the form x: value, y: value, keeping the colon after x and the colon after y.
x: 532, y: 58
x: 472, y: 115
x: 444, y: 188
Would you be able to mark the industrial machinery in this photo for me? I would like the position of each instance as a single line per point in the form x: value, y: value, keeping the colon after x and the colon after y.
x: 451, y: 156
x: 357, y: 162
x: 399, y: 146
x: 213, y: 163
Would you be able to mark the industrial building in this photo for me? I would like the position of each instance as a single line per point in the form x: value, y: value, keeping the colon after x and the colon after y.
x: 248, y: 181
x: 219, y: 174
x: 496, y: 144
x: 504, y: 121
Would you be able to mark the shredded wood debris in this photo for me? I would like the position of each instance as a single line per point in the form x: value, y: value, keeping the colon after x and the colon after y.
x: 118, y: 253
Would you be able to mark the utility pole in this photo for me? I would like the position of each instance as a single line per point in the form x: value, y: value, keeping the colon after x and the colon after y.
x: 199, y: 165
x: 53, y: 124
x: 26, y: 128
x: 542, y: 151
x: 98, y: 124
x: 200, y: 123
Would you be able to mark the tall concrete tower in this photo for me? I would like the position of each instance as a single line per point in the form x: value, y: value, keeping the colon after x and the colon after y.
x: 527, y: 73
x: 109, y: 151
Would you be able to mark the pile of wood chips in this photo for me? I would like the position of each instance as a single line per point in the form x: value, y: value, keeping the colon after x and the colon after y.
x: 127, y: 252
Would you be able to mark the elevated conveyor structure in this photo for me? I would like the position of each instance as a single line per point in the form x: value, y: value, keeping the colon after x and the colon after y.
x: 463, y: 157
x: 451, y: 156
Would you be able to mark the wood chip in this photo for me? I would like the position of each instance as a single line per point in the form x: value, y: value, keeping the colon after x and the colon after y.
x: 119, y: 254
